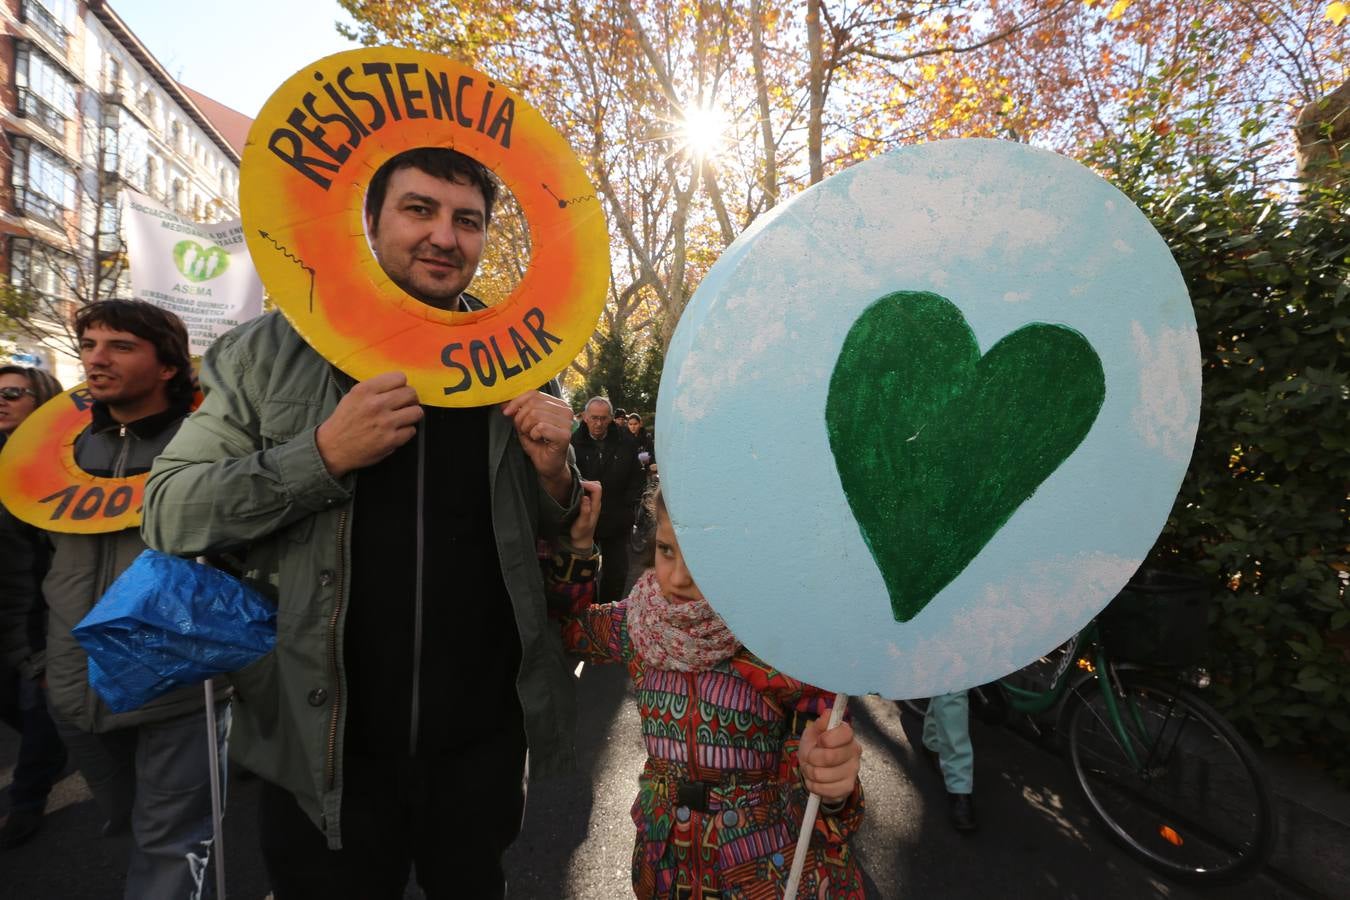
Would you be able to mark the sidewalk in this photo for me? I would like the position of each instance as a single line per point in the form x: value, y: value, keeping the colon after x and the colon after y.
x: 1313, y: 821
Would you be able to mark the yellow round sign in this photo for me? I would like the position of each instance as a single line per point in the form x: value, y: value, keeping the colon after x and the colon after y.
x: 308, y: 161
x: 41, y: 484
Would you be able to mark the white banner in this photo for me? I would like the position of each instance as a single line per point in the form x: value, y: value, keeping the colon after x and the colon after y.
x: 201, y: 272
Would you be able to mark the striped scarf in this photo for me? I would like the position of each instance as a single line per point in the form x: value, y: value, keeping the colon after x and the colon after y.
x: 683, y: 637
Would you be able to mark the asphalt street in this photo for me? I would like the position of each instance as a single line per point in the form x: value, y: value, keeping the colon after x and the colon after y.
x: 1035, y: 838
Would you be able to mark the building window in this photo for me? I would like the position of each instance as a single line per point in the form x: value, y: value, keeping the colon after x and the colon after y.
x: 109, y: 150
x: 46, y: 95
x: 114, y: 75
x: 148, y: 103
x: 52, y: 18
x: 109, y: 225
x: 44, y: 184
x: 42, y: 269
x: 132, y: 144
x: 178, y: 198
x: 152, y: 177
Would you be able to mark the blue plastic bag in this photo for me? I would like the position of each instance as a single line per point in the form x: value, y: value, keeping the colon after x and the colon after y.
x: 167, y: 623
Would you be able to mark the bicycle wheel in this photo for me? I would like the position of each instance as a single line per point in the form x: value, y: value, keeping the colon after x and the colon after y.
x: 1195, y: 804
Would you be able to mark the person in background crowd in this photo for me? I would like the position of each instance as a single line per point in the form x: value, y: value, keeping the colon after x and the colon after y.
x: 149, y: 769
x: 946, y: 737
x: 607, y: 454
x: 643, y: 440
x: 22, y: 390
x: 395, y: 599
x: 24, y: 557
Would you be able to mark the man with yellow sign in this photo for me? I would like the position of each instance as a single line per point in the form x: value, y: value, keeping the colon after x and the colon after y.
x: 390, y: 598
x: 148, y: 768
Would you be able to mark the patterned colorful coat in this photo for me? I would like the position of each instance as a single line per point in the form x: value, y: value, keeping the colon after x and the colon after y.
x: 729, y: 728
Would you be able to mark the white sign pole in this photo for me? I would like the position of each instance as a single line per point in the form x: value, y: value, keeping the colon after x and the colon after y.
x: 809, y: 817
x: 217, y: 812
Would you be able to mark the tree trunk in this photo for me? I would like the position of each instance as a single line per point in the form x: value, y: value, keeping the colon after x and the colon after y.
x: 1323, y: 134
x: 816, y: 87
x: 770, y: 173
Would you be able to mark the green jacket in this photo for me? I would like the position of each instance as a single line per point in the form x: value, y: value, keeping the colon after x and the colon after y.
x: 244, y: 479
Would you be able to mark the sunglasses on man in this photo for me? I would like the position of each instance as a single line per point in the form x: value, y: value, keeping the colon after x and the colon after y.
x: 14, y: 393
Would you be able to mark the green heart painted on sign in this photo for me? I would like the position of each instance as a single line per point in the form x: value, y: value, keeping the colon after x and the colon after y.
x: 198, y: 263
x: 936, y: 445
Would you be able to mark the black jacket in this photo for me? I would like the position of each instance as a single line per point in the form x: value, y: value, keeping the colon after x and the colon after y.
x: 613, y: 462
x: 25, y: 555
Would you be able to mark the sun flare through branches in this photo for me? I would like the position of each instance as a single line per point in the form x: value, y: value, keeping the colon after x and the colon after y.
x: 701, y: 131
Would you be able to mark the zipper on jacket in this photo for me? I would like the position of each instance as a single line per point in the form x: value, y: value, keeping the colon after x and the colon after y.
x: 108, y: 561
x: 330, y: 763
x: 123, y: 451
x: 417, y: 594
x: 332, y: 652
x: 106, y: 566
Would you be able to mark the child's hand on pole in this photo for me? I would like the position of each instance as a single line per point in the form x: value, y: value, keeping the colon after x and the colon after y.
x: 582, y: 534
x: 829, y: 759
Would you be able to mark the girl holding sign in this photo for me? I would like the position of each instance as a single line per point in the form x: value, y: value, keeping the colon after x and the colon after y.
x: 733, y: 745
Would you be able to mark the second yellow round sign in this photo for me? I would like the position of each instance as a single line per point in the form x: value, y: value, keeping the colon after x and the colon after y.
x: 308, y: 161
x: 41, y: 484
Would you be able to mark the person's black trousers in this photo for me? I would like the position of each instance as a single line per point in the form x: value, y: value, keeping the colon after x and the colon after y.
x: 451, y: 816
x: 613, y: 567
x: 42, y: 755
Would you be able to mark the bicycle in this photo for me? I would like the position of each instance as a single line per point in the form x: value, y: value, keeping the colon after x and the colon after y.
x: 1170, y: 780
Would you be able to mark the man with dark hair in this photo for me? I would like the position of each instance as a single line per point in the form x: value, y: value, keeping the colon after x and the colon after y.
x: 398, y: 602
x: 115, y: 378
x: 148, y: 768
x: 433, y: 264
x: 439, y: 162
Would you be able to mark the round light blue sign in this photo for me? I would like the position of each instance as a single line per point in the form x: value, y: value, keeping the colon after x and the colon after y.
x: 923, y: 421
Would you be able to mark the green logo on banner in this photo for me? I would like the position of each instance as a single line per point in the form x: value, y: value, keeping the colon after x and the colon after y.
x: 936, y: 445
x: 198, y: 263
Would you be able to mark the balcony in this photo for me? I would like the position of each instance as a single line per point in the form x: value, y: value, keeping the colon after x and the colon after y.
x: 112, y: 101
x: 36, y: 109
x: 46, y: 25
x: 39, y: 206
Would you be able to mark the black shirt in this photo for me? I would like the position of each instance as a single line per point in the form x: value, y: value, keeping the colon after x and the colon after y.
x: 469, y: 644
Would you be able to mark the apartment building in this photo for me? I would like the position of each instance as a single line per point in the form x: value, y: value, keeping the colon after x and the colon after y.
x: 86, y: 110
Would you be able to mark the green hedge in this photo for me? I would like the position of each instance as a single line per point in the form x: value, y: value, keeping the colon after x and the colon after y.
x: 1263, y: 511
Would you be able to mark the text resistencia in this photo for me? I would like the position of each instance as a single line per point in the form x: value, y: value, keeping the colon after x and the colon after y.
x: 383, y: 92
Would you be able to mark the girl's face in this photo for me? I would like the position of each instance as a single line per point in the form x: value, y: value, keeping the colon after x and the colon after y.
x: 671, y: 572
x: 634, y: 425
